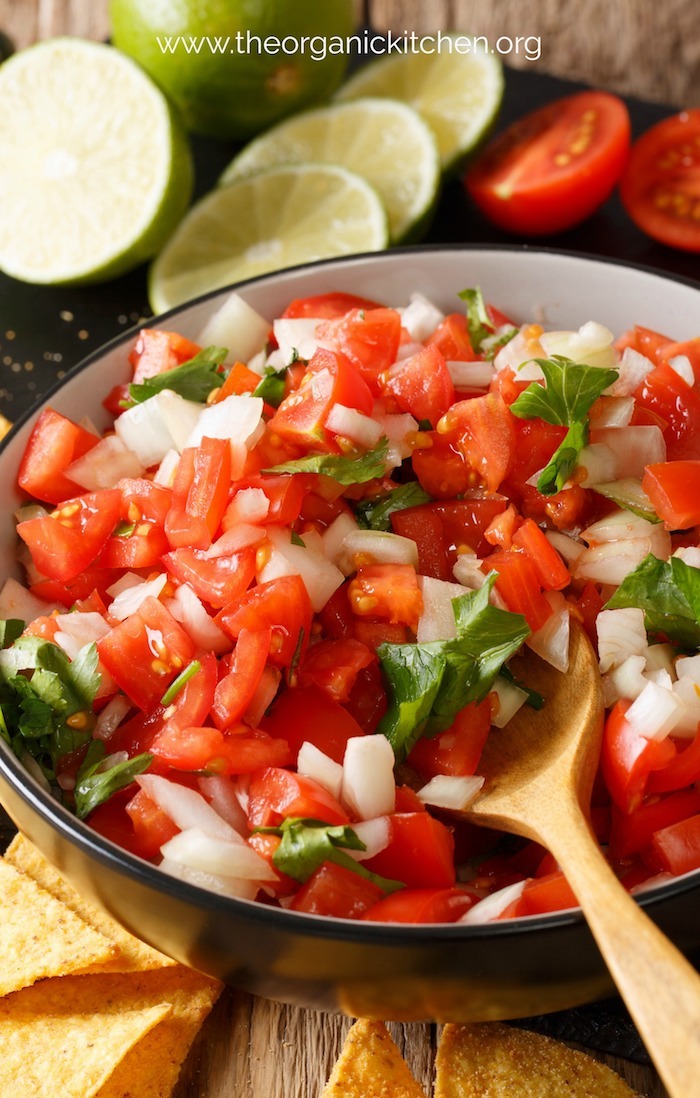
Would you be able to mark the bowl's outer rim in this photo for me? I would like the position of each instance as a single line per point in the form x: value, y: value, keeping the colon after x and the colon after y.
x: 78, y: 834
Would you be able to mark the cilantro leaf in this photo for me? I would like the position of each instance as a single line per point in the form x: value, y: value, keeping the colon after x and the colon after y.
x: 375, y: 513
x: 669, y: 594
x: 346, y: 470
x: 492, y: 345
x: 10, y: 630
x: 428, y: 684
x: 193, y: 380
x: 479, y: 324
x: 565, y: 400
x: 271, y: 388
x: 307, y: 844
x: 93, y: 785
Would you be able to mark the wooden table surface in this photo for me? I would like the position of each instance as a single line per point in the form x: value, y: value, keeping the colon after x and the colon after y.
x: 252, y: 1048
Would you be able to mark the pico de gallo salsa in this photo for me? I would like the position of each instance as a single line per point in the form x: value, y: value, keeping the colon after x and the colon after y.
x: 267, y: 612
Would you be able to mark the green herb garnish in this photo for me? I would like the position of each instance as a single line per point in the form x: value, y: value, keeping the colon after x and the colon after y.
x: 346, y: 470
x: 193, y: 380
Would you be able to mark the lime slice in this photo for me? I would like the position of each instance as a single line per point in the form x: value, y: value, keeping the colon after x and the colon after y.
x: 458, y: 94
x: 278, y: 218
x: 383, y: 140
x: 95, y: 170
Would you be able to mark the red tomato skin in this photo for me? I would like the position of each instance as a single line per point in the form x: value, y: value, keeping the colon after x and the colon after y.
x: 682, y: 770
x: 329, y: 379
x: 665, y: 393
x: 55, y: 442
x: 64, y: 543
x: 627, y: 759
x: 421, y: 384
x: 451, y: 337
x: 555, y: 167
x: 552, y: 573
x: 336, y: 891
x: 423, y: 526
x: 156, y: 351
x: 441, y: 468
x: 420, y: 852
x: 152, y: 828
x: 145, y: 506
x: 217, y: 580
x: 327, y: 306
x: 308, y: 713
x: 234, y: 692
x: 276, y: 794
x: 485, y: 436
x: 200, y: 494
x: 110, y: 820
x: 518, y: 584
x: 632, y: 832
x: 284, y: 605
x: 146, y: 652
x: 458, y: 749
x: 676, y: 849
x: 216, y: 752
x: 421, y: 905
x: 333, y: 665
x: 674, y: 490
x: 544, y: 894
x: 368, y: 337
x: 387, y: 591
x: 659, y: 187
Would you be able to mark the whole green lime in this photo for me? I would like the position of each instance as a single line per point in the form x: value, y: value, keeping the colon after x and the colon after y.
x: 233, y: 67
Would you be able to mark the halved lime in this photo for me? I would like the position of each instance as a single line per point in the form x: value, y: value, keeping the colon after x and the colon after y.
x: 278, y: 218
x: 385, y: 141
x: 458, y: 93
x: 95, y: 170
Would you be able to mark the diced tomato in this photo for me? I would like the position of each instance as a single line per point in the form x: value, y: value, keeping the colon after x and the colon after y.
x: 367, y: 702
x: 420, y: 852
x: 327, y: 306
x: 451, y: 337
x: 333, y: 665
x: 421, y: 905
x: 156, y: 351
x: 152, y: 828
x: 54, y: 444
x: 146, y: 652
x: 441, y: 467
x: 110, y: 820
x: 276, y: 794
x: 660, y: 186
x: 336, y: 891
x: 117, y: 400
x: 45, y: 626
x: 628, y: 758
x: 674, y: 490
x: 407, y: 800
x: 518, y: 585
x: 266, y: 846
x: 535, y: 442
x: 387, y: 591
x: 308, y: 714
x: 374, y: 633
x: 687, y: 348
x: 142, y: 542
x: 645, y: 340
x: 421, y: 385
x: 544, y: 894
x: 239, y: 380
x: 216, y: 580
x: 588, y: 605
x: 235, y: 691
x: 676, y: 849
x: 681, y: 771
x: 64, y: 543
x: 664, y: 392
x: 552, y: 573
x: 632, y: 832
x: 240, y: 751
x: 423, y: 526
x: 284, y: 493
x: 465, y: 522
x: 330, y: 379
x: 554, y: 167
x: 284, y: 605
x: 564, y: 510
x: 336, y: 618
x: 369, y: 337
x: 200, y: 494
x: 458, y: 749
x: 485, y: 436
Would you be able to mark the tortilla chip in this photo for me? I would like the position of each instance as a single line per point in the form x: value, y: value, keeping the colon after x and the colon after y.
x: 371, y: 1066
x: 56, y: 1042
x: 131, y: 956
x: 498, y: 1061
x: 40, y: 937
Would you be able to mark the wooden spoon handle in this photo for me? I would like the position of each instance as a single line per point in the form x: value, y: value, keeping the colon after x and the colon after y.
x: 659, y: 986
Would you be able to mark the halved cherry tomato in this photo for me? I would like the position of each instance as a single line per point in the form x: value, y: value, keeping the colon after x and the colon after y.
x: 327, y: 306
x: 64, y: 543
x: 628, y: 758
x: 388, y: 591
x: 421, y: 384
x: 308, y: 714
x: 145, y: 652
x: 55, y: 442
x: 200, y: 494
x: 660, y: 186
x: 156, y: 351
x: 674, y: 490
x: 336, y: 891
x: 420, y: 852
x: 369, y: 337
x: 284, y: 605
x: 421, y: 905
x: 216, y: 580
x: 553, y: 168
x: 235, y: 691
x: 276, y: 794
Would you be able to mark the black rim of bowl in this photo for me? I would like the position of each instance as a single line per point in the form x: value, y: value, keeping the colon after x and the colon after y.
x: 79, y: 834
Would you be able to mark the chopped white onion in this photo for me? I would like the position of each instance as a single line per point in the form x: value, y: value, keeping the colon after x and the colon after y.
x: 375, y: 834
x: 165, y: 473
x: 609, y: 563
x: 233, y: 887
x: 368, y: 776
x: 451, y: 791
x: 660, y: 657
x: 187, y: 608
x: 619, y: 525
x: 420, y: 318
x: 567, y: 547
x: 349, y: 423
x: 688, y: 692
x: 518, y: 355
x: 633, y: 448
x: 375, y: 547
x: 551, y: 641
x: 596, y: 464
x: 467, y: 571
x: 625, y: 681
x: 296, y: 337
x: 655, y: 712
x: 320, y: 577
x: 314, y: 763
x: 240, y: 536
x: 489, y: 909
x: 621, y: 633
x: 633, y: 368
x: 688, y: 667
x: 437, y: 622
x: 186, y: 808
x: 104, y: 465
x: 683, y: 367
x: 130, y: 598
x: 238, y: 418
x: 265, y: 693
x: 689, y: 554
x: 163, y: 422
x: 470, y: 375
x: 617, y: 412
x: 591, y: 345
x: 78, y: 629
x: 510, y: 699
x: 407, y: 350
x: 335, y: 534
x: 109, y: 718
x: 249, y: 505
x: 220, y: 792
x: 17, y: 602
x: 209, y: 854
x: 235, y: 325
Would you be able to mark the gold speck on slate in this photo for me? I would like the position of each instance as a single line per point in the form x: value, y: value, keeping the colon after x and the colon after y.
x: 15, y: 367
x: 10, y: 334
x: 83, y: 334
x: 7, y: 360
x: 66, y: 315
x: 29, y: 365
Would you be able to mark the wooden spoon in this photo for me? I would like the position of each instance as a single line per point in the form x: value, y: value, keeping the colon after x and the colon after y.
x: 539, y: 773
